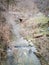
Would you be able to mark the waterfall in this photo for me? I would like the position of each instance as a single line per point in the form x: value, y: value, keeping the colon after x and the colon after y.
x: 21, y: 49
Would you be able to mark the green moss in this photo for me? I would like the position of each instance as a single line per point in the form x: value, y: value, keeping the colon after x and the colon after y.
x: 41, y: 19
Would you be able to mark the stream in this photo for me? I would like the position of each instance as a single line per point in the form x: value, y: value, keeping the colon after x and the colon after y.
x: 20, y: 51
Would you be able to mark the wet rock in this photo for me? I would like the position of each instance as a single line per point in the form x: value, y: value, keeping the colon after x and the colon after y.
x: 37, y: 54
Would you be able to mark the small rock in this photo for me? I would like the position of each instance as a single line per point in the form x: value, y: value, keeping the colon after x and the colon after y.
x: 38, y: 35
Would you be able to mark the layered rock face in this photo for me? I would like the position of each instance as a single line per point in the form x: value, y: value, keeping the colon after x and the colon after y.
x: 29, y: 6
x: 5, y: 35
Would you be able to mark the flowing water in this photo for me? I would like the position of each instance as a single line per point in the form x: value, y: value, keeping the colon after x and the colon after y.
x: 20, y: 51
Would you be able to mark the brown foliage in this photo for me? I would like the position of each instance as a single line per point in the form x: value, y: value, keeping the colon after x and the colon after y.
x: 5, y: 35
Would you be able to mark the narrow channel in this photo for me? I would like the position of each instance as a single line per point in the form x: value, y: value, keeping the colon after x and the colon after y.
x: 20, y: 52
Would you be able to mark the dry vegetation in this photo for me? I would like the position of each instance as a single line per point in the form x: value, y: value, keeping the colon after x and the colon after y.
x: 5, y: 36
x: 38, y: 33
x: 36, y: 29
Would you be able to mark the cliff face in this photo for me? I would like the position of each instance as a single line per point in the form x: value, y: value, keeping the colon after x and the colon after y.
x: 33, y: 14
x: 31, y: 6
x: 5, y: 36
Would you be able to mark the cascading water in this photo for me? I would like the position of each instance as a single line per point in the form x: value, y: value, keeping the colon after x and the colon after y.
x: 20, y: 52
